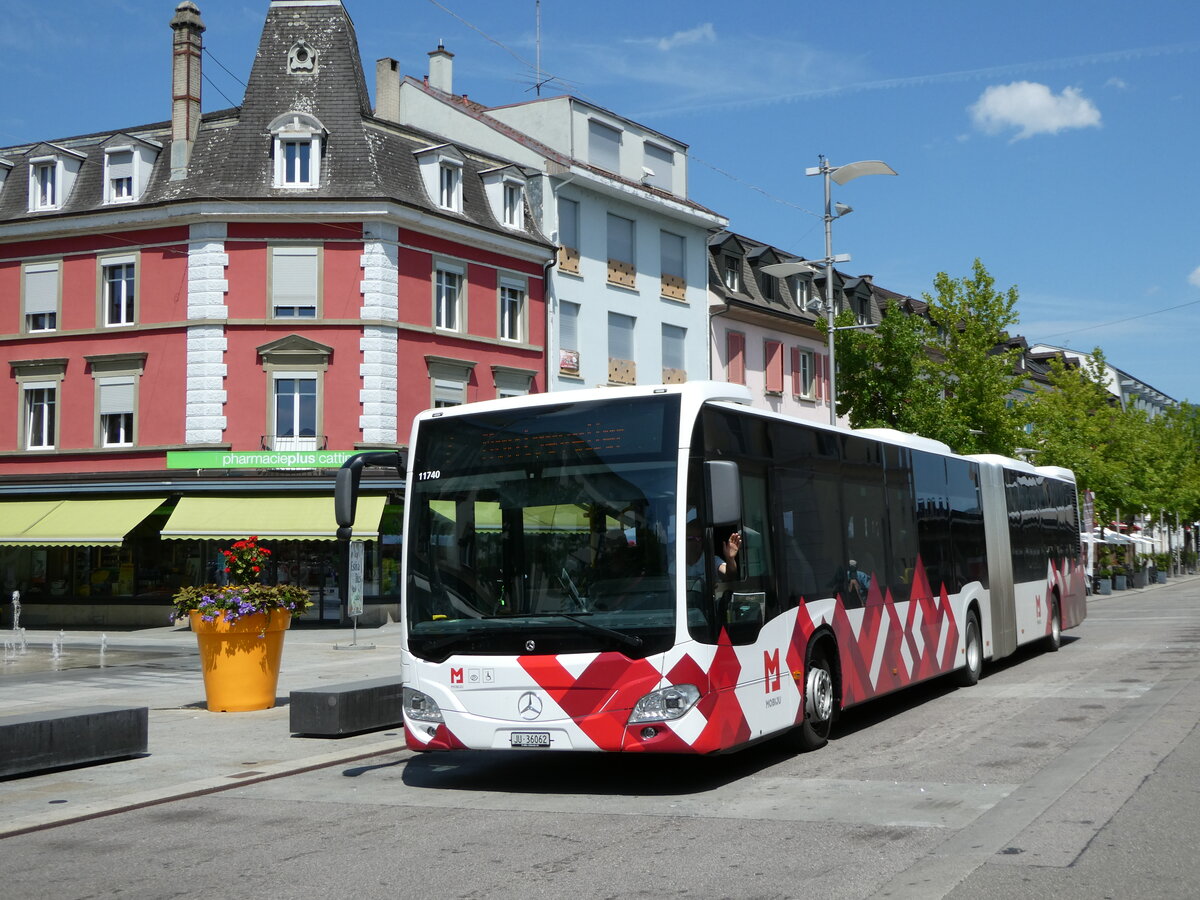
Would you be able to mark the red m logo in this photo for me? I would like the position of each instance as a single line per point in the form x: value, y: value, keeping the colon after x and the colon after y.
x: 771, y: 670
x: 456, y: 676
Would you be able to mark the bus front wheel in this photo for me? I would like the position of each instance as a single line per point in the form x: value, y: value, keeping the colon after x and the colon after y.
x: 973, y: 639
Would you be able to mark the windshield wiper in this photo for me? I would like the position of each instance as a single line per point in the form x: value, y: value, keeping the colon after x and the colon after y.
x: 629, y: 640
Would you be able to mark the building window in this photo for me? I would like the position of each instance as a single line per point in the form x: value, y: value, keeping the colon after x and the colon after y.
x: 674, y: 367
x: 40, y: 416
x: 735, y: 352
x: 568, y: 236
x: 44, y: 190
x: 604, y: 146
x: 773, y: 366
x: 733, y: 273
x: 295, y: 282
x: 659, y: 165
x: 115, y: 405
x: 40, y: 284
x: 514, y: 205
x: 119, y: 288
x: 450, y: 186
x: 511, y: 382
x: 802, y: 291
x: 802, y: 373
x: 768, y: 285
x: 568, y: 338
x: 295, y: 424
x: 447, y: 300
x: 674, y: 282
x: 512, y: 311
x: 622, y: 269
x: 621, y: 366
x: 297, y: 147
x: 297, y: 163
x: 119, y: 178
x: 448, y: 380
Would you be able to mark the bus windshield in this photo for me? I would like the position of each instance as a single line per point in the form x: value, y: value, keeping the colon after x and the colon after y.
x: 544, y: 530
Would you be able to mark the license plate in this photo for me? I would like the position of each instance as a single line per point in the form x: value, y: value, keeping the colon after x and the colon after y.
x: 530, y: 738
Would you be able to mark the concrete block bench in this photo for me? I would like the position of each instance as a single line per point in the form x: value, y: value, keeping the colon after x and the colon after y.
x: 333, y: 710
x: 62, y: 738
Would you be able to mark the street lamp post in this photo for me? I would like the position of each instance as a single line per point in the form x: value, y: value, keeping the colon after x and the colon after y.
x: 840, y: 174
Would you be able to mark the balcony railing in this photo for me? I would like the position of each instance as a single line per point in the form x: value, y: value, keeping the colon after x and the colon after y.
x: 289, y: 442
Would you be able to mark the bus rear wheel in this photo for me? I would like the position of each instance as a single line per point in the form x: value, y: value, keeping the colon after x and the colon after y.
x: 969, y: 674
x: 819, y: 704
x: 1054, y: 638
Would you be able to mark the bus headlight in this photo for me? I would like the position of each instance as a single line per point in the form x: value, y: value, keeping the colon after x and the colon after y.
x: 664, y: 704
x: 421, y: 707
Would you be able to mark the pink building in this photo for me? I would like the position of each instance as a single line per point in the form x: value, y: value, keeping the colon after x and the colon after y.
x: 202, y: 317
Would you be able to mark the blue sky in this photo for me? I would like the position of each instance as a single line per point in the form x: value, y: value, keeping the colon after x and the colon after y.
x: 1056, y: 141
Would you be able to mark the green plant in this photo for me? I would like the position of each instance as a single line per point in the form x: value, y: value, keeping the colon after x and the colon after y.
x: 1118, y: 570
x: 1104, y: 572
x: 245, y: 562
x: 1162, y: 561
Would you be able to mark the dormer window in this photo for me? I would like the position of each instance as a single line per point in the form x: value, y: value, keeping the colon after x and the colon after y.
x: 442, y: 167
x: 733, y: 273
x: 118, y: 178
x: 450, y: 186
x: 44, y: 188
x: 504, y: 188
x: 298, y: 138
x: 514, y: 205
x: 52, y: 174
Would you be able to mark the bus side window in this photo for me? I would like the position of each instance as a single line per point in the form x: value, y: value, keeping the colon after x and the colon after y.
x: 751, y: 598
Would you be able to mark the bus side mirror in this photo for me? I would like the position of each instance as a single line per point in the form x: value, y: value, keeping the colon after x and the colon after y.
x: 345, y: 496
x: 724, y: 492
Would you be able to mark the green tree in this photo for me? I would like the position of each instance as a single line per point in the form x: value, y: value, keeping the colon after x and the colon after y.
x: 1078, y: 425
x: 884, y: 375
x: 946, y: 377
x: 979, y: 377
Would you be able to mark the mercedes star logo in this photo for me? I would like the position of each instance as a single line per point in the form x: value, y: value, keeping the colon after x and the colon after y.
x: 529, y: 646
x: 529, y: 706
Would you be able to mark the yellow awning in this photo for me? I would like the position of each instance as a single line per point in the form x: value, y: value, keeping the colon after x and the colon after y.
x: 566, y: 517
x: 276, y: 518
x: 72, y: 523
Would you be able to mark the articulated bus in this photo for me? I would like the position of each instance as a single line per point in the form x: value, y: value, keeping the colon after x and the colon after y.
x: 570, y: 580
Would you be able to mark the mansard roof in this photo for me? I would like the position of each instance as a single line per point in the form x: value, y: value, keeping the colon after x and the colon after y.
x: 362, y: 157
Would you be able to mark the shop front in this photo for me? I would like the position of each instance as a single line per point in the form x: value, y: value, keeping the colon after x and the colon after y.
x: 117, y: 561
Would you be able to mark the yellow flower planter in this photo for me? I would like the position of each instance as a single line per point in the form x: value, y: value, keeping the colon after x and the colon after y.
x: 240, y: 659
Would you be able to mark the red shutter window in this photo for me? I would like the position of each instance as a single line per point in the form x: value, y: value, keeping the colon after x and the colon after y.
x: 773, y: 355
x: 797, y: 385
x: 735, y: 345
x: 820, y: 379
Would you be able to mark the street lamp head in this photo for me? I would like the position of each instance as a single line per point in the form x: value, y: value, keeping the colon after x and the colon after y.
x: 850, y: 171
x: 841, y: 209
x: 789, y: 268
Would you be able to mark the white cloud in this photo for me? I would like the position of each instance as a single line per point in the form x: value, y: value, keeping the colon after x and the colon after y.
x: 1033, y: 109
x: 1194, y: 278
x: 701, y: 34
x: 1118, y: 83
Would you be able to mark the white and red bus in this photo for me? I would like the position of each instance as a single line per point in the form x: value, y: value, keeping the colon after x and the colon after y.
x: 567, y: 582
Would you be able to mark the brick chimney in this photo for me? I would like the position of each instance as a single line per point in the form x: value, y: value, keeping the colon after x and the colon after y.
x: 185, y: 85
x: 441, y: 69
x: 387, y: 89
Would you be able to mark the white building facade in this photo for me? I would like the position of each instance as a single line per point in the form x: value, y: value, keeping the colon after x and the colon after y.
x: 627, y: 301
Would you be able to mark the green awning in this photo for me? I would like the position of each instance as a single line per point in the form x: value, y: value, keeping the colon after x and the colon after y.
x: 274, y: 518
x: 72, y: 523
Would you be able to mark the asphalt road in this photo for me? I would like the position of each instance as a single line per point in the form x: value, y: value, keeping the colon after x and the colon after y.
x: 1069, y: 774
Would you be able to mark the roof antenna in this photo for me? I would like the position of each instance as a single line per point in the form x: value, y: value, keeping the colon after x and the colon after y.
x: 538, y: 78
